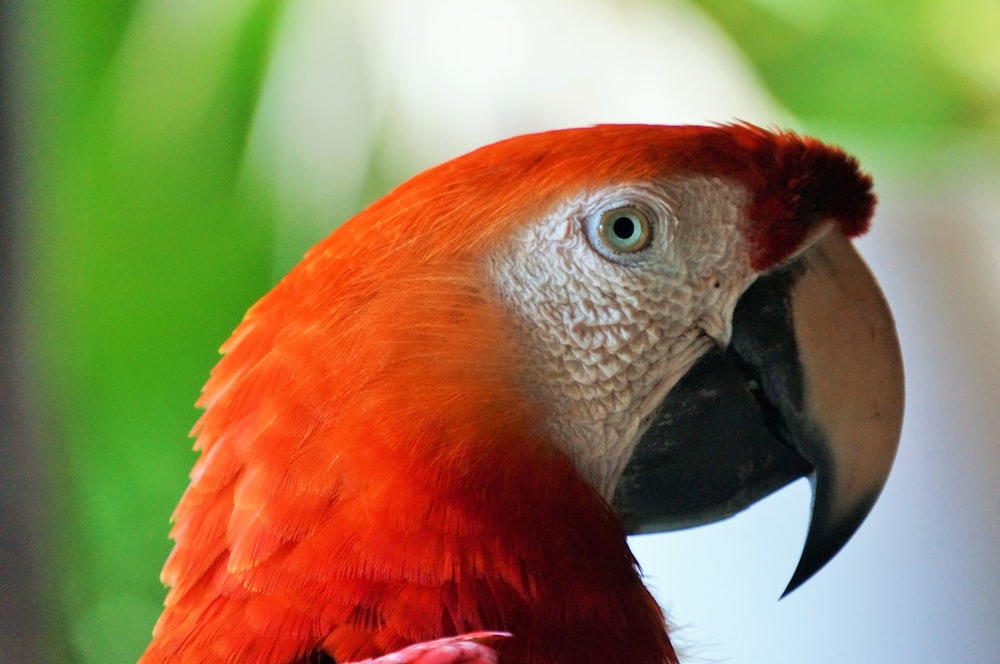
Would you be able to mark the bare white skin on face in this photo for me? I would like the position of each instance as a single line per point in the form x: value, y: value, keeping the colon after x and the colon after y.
x: 611, y: 324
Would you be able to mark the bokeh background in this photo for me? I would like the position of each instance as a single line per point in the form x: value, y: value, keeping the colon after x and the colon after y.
x: 166, y: 161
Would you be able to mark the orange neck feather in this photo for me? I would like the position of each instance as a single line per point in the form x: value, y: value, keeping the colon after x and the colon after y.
x: 358, y: 494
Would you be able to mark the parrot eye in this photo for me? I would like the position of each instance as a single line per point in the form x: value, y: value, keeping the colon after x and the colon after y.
x: 624, y: 230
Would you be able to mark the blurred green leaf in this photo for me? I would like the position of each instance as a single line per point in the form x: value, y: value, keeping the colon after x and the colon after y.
x: 885, y: 66
x: 147, y: 250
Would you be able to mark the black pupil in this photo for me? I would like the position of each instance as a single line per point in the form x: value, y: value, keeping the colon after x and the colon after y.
x: 624, y: 228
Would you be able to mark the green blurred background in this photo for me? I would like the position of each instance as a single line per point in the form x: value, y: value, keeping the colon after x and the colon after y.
x: 144, y: 236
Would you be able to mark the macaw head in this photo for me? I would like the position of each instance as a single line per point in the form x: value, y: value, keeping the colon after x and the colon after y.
x: 700, y: 330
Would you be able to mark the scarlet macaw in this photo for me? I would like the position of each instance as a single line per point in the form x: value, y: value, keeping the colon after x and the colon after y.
x: 447, y: 418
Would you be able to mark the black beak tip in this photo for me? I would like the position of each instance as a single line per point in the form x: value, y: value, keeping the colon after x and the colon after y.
x: 803, y: 572
x: 828, y: 533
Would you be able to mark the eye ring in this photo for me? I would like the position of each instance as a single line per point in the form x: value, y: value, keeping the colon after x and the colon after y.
x: 625, y: 230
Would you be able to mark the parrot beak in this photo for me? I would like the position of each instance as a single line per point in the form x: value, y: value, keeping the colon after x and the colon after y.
x: 811, y: 385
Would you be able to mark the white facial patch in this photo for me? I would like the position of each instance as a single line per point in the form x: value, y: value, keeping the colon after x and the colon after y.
x: 607, y: 335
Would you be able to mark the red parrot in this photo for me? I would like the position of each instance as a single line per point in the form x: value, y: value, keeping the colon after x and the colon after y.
x: 439, y: 428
